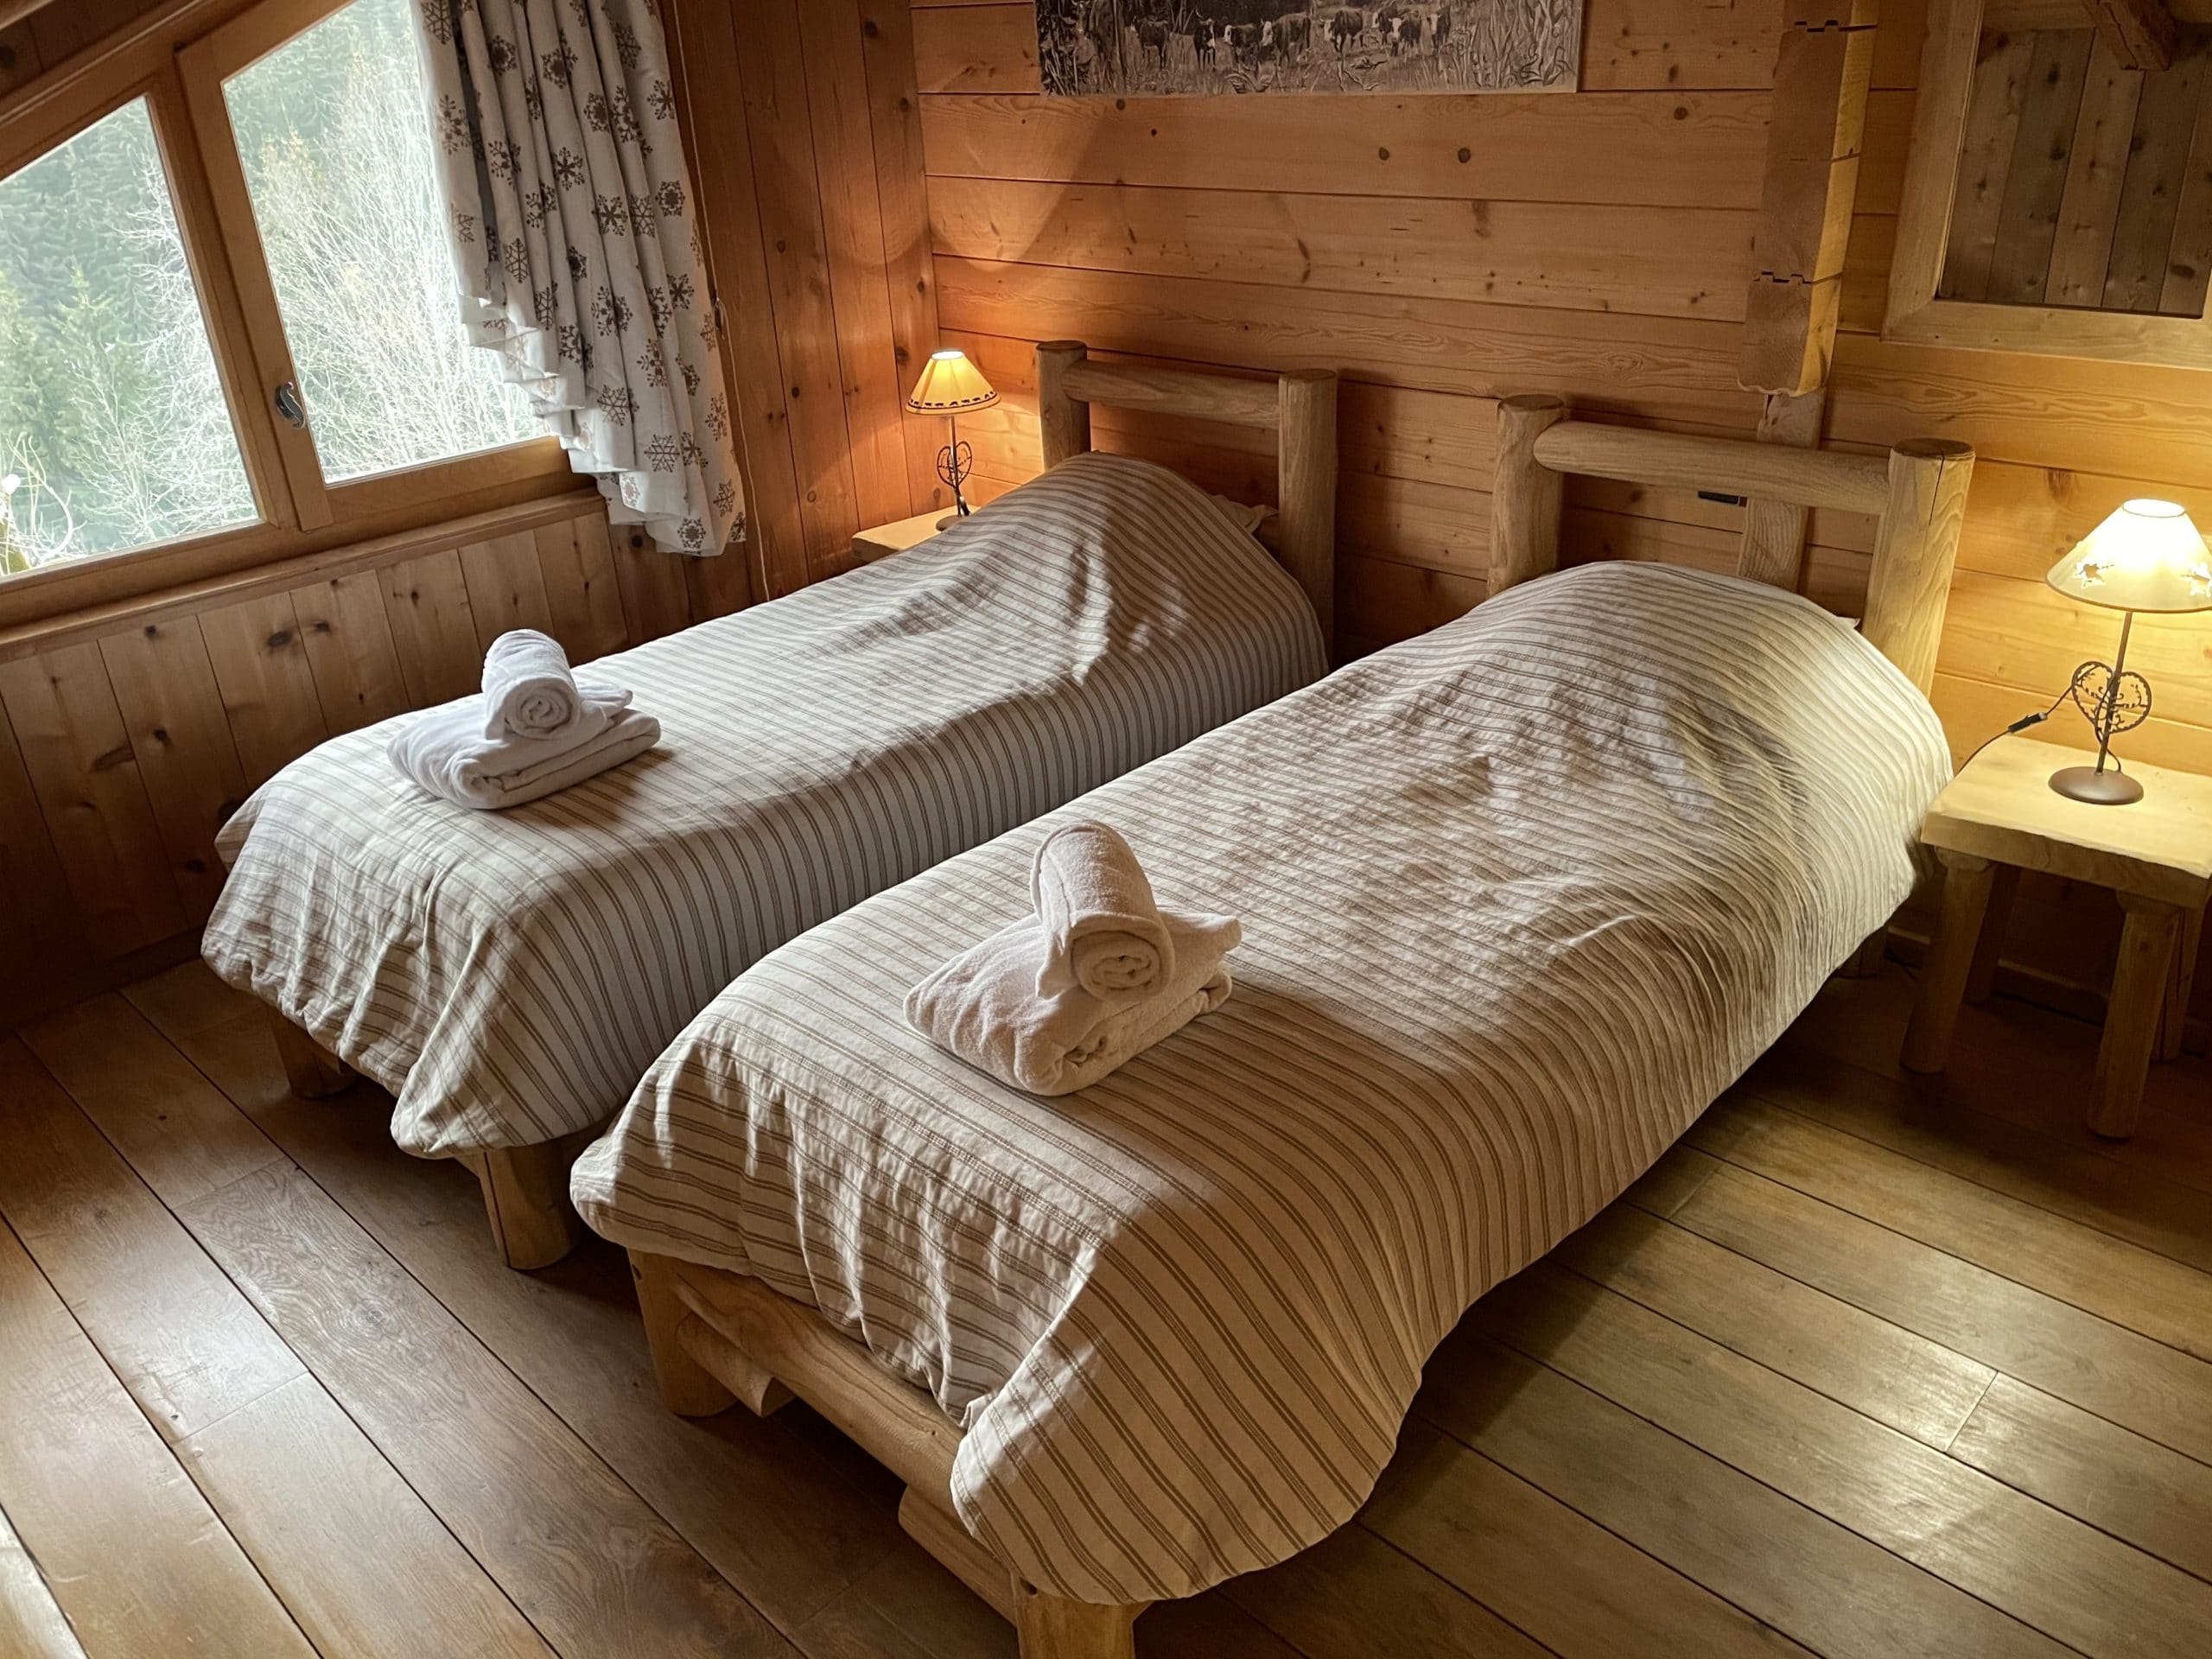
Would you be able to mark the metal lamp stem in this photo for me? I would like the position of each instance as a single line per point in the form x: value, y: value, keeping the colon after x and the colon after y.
x: 960, y: 477
x: 2105, y: 714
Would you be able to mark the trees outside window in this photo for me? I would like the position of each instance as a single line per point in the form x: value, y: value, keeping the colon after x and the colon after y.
x: 337, y: 155
x: 278, y: 169
x: 112, y: 425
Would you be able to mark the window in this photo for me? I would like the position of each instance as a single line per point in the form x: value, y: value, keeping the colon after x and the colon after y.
x: 228, y: 320
x: 113, y: 432
x: 338, y: 163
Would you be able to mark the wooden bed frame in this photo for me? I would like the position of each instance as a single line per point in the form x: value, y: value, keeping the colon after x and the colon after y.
x: 526, y: 1188
x: 1918, y: 491
x: 718, y: 1337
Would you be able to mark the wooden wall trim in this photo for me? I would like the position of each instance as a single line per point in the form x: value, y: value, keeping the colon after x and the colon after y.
x: 71, y: 627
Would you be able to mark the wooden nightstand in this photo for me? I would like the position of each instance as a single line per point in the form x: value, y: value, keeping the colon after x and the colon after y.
x: 2000, y: 816
x: 872, y: 545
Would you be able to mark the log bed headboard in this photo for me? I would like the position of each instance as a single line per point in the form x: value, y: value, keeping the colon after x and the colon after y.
x: 1300, y: 406
x: 1918, y: 491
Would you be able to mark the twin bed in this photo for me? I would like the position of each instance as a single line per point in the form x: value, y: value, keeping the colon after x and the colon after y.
x: 509, y: 976
x: 1519, y: 898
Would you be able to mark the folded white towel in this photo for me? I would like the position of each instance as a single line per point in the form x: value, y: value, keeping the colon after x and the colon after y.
x: 446, y: 752
x: 528, y: 689
x: 985, y: 1006
x: 1103, y: 931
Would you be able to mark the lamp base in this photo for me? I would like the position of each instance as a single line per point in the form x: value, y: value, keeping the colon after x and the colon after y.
x: 2108, y: 788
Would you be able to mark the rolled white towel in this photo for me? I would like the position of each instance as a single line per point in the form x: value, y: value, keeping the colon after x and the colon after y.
x: 1103, y: 931
x: 528, y: 689
x: 984, y: 1006
x: 446, y: 752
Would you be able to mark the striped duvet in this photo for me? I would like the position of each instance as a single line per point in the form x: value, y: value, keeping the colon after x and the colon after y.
x: 1520, y: 898
x: 509, y: 975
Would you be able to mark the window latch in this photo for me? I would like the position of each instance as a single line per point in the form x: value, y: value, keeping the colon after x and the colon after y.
x: 287, y: 405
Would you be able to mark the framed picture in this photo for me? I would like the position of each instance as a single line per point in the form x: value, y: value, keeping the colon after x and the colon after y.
x: 1175, y: 48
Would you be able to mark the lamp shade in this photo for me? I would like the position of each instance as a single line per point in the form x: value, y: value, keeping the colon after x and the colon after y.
x: 951, y: 385
x: 2146, y: 557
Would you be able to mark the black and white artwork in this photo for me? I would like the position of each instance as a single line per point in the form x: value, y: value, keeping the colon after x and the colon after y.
x: 1160, y: 48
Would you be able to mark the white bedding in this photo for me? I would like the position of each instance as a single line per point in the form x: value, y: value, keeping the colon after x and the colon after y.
x: 509, y: 975
x: 1520, y: 898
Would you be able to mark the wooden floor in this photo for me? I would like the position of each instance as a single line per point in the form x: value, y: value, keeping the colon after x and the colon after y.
x: 1863, y: 1368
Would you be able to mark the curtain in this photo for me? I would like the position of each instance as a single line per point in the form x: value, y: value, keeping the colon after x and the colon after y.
x: 571, y: 219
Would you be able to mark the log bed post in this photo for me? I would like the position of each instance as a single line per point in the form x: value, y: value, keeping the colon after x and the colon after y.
x: 1065, y: 418
x: 1526, y: 496
x: 1915, y: 548
x: 1306, y: 488
x: 312, y: 1071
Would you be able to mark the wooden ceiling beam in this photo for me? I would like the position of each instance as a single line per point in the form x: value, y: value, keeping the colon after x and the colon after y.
x: 2141, y: 34
x: 1820, y: 75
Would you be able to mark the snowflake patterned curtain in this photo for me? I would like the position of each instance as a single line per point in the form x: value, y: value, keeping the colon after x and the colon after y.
x: 569, y: 214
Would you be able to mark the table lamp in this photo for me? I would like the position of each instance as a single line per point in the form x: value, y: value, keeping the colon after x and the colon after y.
x: 2146, y: 557
x: 951, y: 385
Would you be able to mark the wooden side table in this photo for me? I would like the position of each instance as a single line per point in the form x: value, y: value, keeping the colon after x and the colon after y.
x: 2000, y: 816
x: 885, y: 539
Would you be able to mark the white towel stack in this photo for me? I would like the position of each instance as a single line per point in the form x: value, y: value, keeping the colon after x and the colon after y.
x: 534, y: 731
x: 1097, y: 975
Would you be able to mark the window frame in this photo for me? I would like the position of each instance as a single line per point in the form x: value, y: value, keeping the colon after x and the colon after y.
x: 1915, y: 316
x: 176, y: 58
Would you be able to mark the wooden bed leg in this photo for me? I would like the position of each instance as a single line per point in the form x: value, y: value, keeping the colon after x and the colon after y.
x: 690, y: 1389
x: 735, y: 1371
x: 526, y: 1197
x: 1051, y: 1627
x: 314, y: 1072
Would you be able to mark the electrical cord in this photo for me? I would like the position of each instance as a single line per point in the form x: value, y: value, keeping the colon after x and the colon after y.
x: 2022, y: 725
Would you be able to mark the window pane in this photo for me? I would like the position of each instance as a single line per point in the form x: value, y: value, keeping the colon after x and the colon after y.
x: 337, y: 154
x: 113, y: 432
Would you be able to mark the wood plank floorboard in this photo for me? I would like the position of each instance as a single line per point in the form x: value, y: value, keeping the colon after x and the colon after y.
x: 2064, y: 1576
x: 358, y: 1560
x: 2133, y: 1381
x: 1931, y: 1122
x: 1868, y: 1366
x: 1781, y: 1560
x: 87, y: 1483
x: 32, y: 1623
x: 770, y: 1514
x: 2017, y: 1063
x: 2164, y: 1299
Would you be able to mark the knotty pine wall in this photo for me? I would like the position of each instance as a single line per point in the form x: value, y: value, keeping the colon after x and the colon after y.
x: 803, y: 128
x: 1444, y: 251
x: 128, y: 736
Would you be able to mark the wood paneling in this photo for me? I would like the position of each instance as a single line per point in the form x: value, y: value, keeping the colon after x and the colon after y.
x: 801, y: 119
x: 130, y: 736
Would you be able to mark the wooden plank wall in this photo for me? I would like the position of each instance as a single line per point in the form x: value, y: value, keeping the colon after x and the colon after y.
x: 804, y: 137
x: 127, y: 738
x: 1444, y: 251
x: 2084, y: 182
